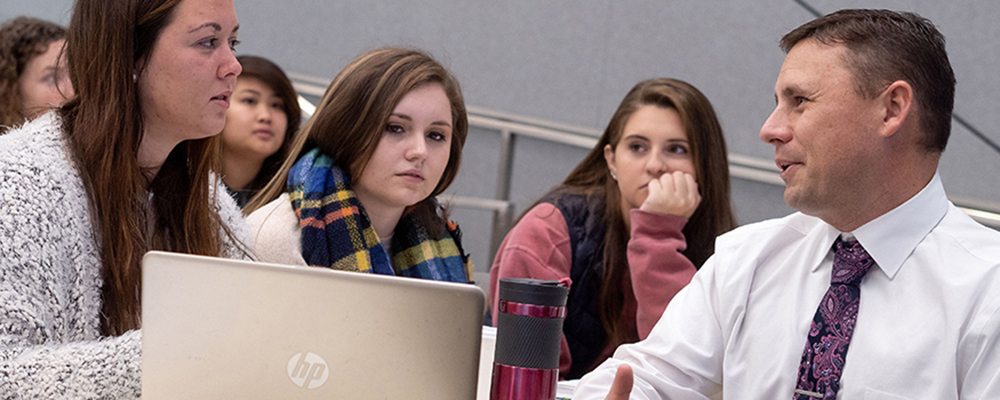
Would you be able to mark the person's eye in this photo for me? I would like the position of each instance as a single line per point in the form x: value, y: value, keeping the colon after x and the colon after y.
x: 233, y: 43
x: 800, y: 99
x: 209, y: 43
x: 278, y: 105
x: 49, y: 79
x: 636, y: 148
x: 249, y: 101
x: 437, y: 136
x: 677, y: 149
x: 394, y: 128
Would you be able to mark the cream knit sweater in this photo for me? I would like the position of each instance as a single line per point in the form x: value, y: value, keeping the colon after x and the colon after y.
x: 50, y: 277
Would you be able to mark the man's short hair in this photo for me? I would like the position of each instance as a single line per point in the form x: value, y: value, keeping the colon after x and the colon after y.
x: 885, y: 46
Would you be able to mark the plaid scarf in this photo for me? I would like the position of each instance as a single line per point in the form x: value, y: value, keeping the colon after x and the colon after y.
x: 336, y: 231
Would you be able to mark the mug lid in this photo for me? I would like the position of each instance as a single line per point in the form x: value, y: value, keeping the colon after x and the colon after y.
x: 533, y: 291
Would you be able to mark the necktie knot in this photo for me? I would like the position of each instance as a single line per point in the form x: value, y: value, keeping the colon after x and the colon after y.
x: 850, y: 263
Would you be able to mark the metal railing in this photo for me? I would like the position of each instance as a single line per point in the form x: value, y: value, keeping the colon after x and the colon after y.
x: 511, y: 126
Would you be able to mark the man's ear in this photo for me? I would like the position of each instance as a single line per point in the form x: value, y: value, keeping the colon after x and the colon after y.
x: 897, y: 100
x: 609, y: 157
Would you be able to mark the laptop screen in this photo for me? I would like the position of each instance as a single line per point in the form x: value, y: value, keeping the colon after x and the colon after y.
x: 215, y: 328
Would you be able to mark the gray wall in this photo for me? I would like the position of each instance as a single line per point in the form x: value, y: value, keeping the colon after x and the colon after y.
x: 571, y: 61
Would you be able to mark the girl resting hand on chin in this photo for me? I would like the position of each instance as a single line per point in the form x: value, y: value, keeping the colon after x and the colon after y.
x: 630, y: 225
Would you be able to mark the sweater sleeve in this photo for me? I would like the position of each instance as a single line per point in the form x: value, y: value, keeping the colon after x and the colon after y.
x: 657, y: 267
x: 537, y: 247
x: 106, y: 368
x: 50, y: 279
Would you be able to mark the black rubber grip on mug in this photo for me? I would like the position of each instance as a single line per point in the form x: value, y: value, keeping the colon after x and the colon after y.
x: 528, y: 342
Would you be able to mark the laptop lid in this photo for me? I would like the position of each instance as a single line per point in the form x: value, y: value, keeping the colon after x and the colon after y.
x: 218, y: 328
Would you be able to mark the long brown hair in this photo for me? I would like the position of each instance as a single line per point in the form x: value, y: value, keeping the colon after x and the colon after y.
x: 714, y: 215
x: 21, y: 40
x: 104, y: 124
x: 350, y: 119
x: 272, y: 76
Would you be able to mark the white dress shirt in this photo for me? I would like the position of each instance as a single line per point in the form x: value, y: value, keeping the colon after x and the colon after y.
x: 927, y: 326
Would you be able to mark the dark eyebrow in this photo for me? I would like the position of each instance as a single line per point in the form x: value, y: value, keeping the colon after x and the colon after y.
x: 215, y: 27
x: 791, y: 91
x: 254, y: 92
x: 636, y: 136
x: 407, y: 117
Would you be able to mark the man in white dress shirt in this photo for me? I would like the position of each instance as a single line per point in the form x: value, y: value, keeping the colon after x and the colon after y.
x: 864, y: 102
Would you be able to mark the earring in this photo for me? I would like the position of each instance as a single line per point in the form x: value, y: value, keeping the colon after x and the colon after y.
x: 614, y: 175
x: 135, y: 77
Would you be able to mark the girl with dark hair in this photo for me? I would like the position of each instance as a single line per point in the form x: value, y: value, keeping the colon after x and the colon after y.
x: 32, y: 78
x: 124, y: 167
x: 358, y: 192
x: 259, y: 127
x: 630, y: 225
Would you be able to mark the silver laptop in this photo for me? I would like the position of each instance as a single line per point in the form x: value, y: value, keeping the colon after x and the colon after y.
x: 215, y: 328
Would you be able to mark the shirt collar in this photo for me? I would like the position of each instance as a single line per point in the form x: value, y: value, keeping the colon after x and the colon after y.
x: 891, y: 238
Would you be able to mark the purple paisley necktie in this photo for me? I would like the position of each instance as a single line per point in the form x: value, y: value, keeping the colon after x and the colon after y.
x: 830, y: 333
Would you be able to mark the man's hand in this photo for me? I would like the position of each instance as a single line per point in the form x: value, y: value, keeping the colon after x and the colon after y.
x: 675, y: 193
x: 622, y: 386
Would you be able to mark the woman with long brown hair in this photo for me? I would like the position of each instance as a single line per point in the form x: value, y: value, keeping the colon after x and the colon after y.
x: 358, y: 192
x: 631, y: 224
x: 33, y: 78
x: 260, y: 123
x: 123, y: 168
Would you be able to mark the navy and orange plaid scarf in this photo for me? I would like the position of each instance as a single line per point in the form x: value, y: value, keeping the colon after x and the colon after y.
x: 336, y: 231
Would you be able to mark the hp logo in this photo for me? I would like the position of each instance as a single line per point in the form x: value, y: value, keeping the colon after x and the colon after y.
x: 308, y: 371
